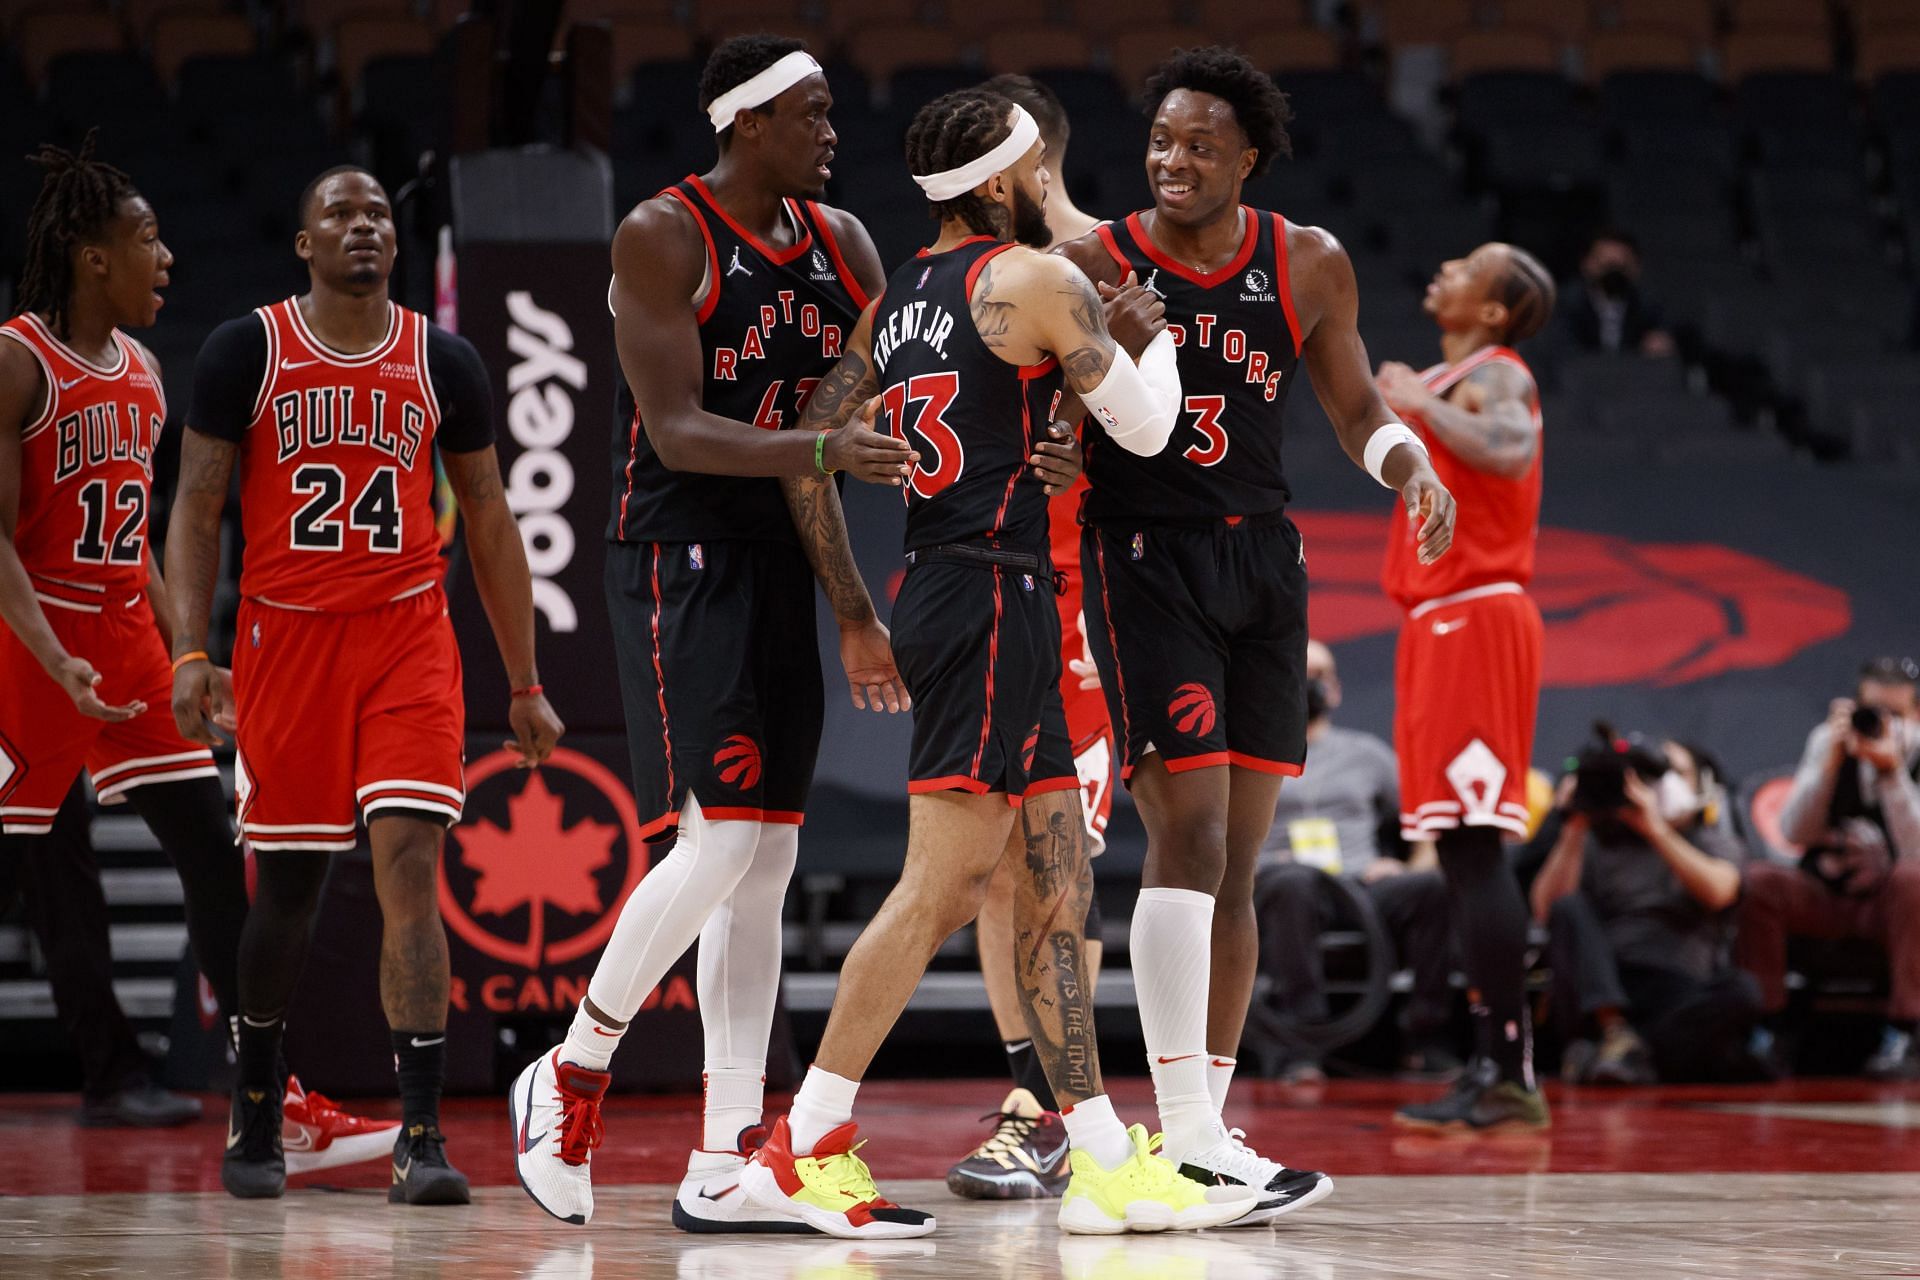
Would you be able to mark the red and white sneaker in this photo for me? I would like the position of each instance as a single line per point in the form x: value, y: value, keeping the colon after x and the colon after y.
x: 555, y: 1108
x: 710, y: 1200
x: 830, y: 1190
x: 316, y: 1134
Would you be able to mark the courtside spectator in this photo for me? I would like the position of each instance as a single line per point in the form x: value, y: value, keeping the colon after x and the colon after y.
x: 1605, y: 309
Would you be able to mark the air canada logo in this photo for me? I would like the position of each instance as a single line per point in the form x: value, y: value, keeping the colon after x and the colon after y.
x: 535, y: 874
x: 738, y: 761
x: 1191, y: 710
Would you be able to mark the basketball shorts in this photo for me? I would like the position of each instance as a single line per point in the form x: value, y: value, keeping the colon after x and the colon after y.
x: 1089, y: 728
x: 719, y: 676
x: 346, y: 715
x: 44, y: 739
x: 1466, y: 686
x: 979, y: 649
x: 1200, y: 636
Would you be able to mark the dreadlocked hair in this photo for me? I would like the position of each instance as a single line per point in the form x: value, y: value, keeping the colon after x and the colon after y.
x: 1527, y: 293
x: 947, y: 133
x: 79, y: 199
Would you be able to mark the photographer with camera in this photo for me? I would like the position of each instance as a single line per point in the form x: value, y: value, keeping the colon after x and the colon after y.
x: 1635, y: 893
x: 1341, y: 817
x: 1855, y: 810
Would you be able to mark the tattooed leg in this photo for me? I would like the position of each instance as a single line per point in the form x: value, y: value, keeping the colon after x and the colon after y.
x: 1046, y: 856
x: 414, y: 969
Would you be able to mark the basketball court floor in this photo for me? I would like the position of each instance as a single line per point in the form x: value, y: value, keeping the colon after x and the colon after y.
x: 1810, y: 1179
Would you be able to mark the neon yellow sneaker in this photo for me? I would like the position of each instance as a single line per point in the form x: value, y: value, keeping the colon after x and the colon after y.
x: 1147, y: 1193
x: 830, y: 1190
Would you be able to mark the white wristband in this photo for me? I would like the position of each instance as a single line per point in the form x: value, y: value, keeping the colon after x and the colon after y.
x: 1383, y: 441
x: 1137, y: 406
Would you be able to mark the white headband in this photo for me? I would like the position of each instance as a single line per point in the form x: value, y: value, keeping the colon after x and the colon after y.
x: 761, y: 89
x: 949, y: 183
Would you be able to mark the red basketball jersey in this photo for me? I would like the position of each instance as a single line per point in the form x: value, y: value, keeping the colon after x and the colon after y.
x: 86, y: 470
x: 336, y: 472
x: 1499, y: 516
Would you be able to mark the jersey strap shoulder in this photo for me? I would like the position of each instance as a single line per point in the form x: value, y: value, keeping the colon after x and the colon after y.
x: 823, y: 227
x: 1283, y: 281
x: 682, y: 195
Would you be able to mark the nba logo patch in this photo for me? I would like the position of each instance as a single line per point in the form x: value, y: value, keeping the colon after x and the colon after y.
x: 696, y: 557
x: 1026, y: 580
x: 256, y: 635
x: 922, y: 282
x: 1139, y: 545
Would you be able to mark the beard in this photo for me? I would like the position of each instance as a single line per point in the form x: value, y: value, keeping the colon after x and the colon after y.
x: 1030, y: 222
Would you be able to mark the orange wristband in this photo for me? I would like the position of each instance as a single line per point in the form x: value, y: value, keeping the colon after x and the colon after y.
x: 198, y: 655
x: 530, y: 691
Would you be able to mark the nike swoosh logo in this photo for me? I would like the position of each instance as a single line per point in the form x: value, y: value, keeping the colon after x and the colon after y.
x: 300, y: 1141
x: 1447, y: 628
x: 707, y: 1195
x: 400, y: 1171
x: 527, y: 1142
x: 1182, y: 1058
x: 611, y: 1035
x: 1218, y: 1063
x: 233, y: 1136
x: 418, y: 1043
x: 68, y: 384
x: 296, y: 364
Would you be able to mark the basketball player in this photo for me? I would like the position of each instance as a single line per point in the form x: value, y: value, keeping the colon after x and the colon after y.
x: 83, y: 654
x: 1024, y: 1157
x: 969, y: 349
x: 732, y: 295
x: 1196, y: 579
x: 346, y: 675
x: 1468, y: 671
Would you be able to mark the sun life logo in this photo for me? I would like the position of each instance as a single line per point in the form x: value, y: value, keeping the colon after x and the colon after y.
x: 1258, y: 287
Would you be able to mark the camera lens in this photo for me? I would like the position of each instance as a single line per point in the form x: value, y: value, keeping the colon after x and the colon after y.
x: 1868, y: 722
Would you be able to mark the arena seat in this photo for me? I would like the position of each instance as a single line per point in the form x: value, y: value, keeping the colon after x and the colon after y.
x: 1284, y: 50
x: 1414, y: 22
x: 1134, y: 54
x: 321, y: 16
x: 1564, y: 21
x: 660, y: 11
x: 977, y: 19
x: 1696, y: 19
x: 41, y: 37
x: 1103, y: 19
x: 1497, y: 98
x: 1809, y: 16
x: 1503, y: 50
x: 359, y: 40
x: 180, y: 35
x: 718, y: 19
x: 103, y: 88
x: 638, y: 42
x: 881, y: 52
x: 1702, y: 141
x: 1639, y: 49
x: 843, y: 17
x: 1556, y: 156
x: 1755, y: 50
x: 141, y: 15
x: 1031, y: 48
x: 1889, y: 49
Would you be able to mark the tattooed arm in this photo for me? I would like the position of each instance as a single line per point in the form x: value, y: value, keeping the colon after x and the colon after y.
x: 1487, y: 417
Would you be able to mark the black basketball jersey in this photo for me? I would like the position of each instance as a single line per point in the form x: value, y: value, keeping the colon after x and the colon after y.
x: 973, y: 417
x: 772, y: 323
x: 1238, y: 346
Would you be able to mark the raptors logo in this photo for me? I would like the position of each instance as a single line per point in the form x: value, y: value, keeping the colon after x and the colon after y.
x: 738, y: 761
x: 1191, y: 710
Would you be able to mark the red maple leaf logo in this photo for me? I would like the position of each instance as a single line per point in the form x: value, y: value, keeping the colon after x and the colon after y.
x: 537, y: 861
x: 1191, y: 710
x: 738, y: 761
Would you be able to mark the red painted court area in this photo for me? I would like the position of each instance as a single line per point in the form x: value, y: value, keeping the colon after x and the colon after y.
x: 918, y: 1129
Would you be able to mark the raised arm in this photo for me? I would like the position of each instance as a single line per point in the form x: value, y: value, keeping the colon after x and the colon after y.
x: 1486, y: 418
x: 1327, y: 300
x: 659, y: 263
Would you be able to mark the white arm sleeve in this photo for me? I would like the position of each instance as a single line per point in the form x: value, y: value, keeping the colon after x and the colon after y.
x: 1137, y: 406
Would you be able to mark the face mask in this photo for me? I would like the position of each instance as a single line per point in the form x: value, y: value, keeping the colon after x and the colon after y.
x: 1678, y: 800
x: 1615, y: 283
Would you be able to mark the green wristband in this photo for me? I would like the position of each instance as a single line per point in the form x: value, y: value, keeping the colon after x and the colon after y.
x: 820, y: 454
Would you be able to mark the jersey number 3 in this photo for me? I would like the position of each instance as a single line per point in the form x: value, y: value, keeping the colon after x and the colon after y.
x: 1206, y: 411
x: 932, y: 392
x: 376, y: 511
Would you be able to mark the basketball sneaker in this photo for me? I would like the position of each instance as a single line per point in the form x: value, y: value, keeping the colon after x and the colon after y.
x: 830, y: 1190
x: 1146, y: 1193
x: 1231, y: 1162
x: 710, y: 1199
x: 1480, y: 1102
x: 555, y: 1108
x: 1024, y: 1159
x: 316, y: 1134
x: 421, y: 1174
x: 253, y: 1166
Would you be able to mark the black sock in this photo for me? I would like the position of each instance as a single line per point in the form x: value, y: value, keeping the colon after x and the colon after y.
x: 189, y: 818
x: 420, y: 1060
x: 1025, y: 1066
x: 259, y: 1055
x: 1490, y: 918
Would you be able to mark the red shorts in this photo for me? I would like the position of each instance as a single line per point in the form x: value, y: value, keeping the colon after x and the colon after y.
x: 45, y: 741
x: 1467, y: 683
x: 344, y: 715
x: 1088, y: 728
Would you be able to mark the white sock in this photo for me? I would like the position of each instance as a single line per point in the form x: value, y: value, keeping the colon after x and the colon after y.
x: 659, y: 922
x: 824, y: 1103
x: 1093, y: 1128
x: 1220, y: 1079
x: 590, y: 1042
x: 738, y: 981
x: 1171, y: 947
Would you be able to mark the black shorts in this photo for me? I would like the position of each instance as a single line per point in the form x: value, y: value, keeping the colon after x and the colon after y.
x: 720, y: 677
x: 979, y: 649
x: 1200, y: 636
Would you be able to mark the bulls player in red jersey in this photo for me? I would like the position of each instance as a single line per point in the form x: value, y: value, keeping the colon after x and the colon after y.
x: 1023, y: 1158
x: 732, y: 295
x: 1196, y: 579
x: 83, y: 654
x: 346, y: 676
x: 1468, y: 672
x: 969, y: 350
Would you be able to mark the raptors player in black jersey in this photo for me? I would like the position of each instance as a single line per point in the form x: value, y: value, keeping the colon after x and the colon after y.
x: 1196, y: 580
x: 968, y: 350
x: 733, y: 292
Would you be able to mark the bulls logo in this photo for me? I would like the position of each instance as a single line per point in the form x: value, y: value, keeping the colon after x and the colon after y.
x: 738, y: 761
x: 1191, y: 710
x: 1028, y: 748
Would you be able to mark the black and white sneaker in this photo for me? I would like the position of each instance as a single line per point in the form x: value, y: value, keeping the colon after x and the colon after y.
x: 254, y: 1167
x: 1232, y: 1162
x: 1025, y: 1158
x: 421, y: 1174
x: 1479, y: 1102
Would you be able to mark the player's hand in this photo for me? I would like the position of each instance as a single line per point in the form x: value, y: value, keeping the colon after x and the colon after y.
x: 1083, y: 666
x: 535, y: 729
x: 1430, y: 506
x: 202, y: 702
x: 1401, y: 387
x: 1056, y: 460
x: 80, y: 680
x: 1135, y: 314
x: 866, y: 651
x: 865, y: 454
x: 223, y: 702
